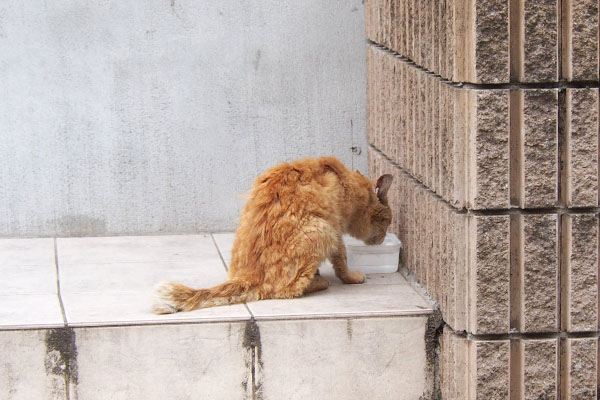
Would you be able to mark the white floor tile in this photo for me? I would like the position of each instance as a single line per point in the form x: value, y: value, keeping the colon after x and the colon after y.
x: 117, y: 249
x: 30, y: 311
x: 346, y: 301
x: 132, y: 308
x: 26, y: 252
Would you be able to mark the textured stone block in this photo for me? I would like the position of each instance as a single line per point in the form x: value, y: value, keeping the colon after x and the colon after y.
x: 580, y: 40
x: 450, y: 43
x: 540, y: 148
x: 579, y: 283
x: 540, y: 41
x: 458, y: 265
x: 371, y: 93
x: 579, y: 368
x: 446, y: 138
x: 489, y: 369
x: 489, y: 284
x: 463, y: 104
x: 436, y: 126
x: 491, y: 42
x: 399, y: 40
x: 423, y: 45
x: 370, y: 23
x: 412, y: 30
x: 388, y: 106
x: 454, y: 367
x: 434, y: 33
x: 401, y: 111
x: 421, y: 126
x: 440, y: 37
x: 540, y: 274
x: 428, y: 132
x: 539, y: 369
x: 580, y: 150
x: 489, y: 155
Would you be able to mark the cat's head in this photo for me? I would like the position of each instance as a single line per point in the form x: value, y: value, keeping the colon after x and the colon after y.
x: 374, y: 215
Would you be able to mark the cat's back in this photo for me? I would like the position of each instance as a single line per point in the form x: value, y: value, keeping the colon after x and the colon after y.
x: 310, y: 184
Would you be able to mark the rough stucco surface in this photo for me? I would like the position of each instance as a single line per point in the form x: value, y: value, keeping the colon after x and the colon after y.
x: 123, y: 117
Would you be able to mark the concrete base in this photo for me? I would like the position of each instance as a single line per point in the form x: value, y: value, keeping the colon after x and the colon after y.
x: 350, y: 341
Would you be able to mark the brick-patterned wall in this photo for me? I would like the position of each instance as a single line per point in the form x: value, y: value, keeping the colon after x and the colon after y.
x: 487, y: 114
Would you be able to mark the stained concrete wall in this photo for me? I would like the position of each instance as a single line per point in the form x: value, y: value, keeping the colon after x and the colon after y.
x: 139, y: 117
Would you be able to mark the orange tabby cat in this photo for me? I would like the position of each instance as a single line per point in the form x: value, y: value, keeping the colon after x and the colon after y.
x: 294, y: 219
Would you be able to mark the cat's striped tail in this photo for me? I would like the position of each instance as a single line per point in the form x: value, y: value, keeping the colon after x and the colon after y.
x: 172, y: 297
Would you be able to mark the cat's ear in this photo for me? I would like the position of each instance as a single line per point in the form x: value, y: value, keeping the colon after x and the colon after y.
x: 382, y: 186
x: 358, y: 172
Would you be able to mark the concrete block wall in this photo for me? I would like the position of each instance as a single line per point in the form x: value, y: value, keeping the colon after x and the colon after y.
x: 487, y: 114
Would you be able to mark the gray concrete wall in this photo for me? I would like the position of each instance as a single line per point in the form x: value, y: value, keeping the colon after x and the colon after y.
x: 140, y: 117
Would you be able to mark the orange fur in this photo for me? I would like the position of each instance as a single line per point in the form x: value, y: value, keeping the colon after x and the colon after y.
x: 295, y: 218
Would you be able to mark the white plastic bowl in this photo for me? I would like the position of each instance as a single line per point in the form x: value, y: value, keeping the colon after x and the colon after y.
x: 378, y: 259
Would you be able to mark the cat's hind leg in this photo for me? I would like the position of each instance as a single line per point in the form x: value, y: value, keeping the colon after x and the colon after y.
x: 318, y: 283
x: 297, y: 285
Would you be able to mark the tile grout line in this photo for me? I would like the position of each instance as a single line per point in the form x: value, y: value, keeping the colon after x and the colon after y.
x: 67, y: 376
x: 58, y: 291
x: 252, y: 317
x: 219, y: 251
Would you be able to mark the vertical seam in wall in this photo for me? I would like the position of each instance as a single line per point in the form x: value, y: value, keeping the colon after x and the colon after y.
x: 559, y: 38
x: 516, y: 148
x: 471, y: 367
x: 565, y: 279
x: 516, y: 272
x: 471, y: 275
x: 565, y: 361
x: 470, y: 159
x: 516, y: 362
x: 566, y: 37
x: 564, y: 144
x: 598, y: 305
x: 516, y: 305
x: 516, y: 36
x: 470, y: 71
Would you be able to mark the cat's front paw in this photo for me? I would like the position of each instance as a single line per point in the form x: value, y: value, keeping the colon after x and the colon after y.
x: 353, y: 277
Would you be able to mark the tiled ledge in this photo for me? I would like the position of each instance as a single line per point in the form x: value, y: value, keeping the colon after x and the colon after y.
x: 107, y: 281
x: 76, y: 322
